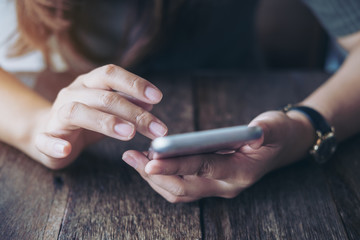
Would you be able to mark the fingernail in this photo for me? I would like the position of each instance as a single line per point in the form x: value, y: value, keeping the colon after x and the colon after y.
x: 157, y: 129
x: 124, y: 129
x: 59, y: 147
x: 130, y: 160
x: 153, y: 94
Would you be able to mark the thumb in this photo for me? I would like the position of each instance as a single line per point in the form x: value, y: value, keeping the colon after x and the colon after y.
x: 273, y: 125
x: 256, y: 144
x: 52, y: 146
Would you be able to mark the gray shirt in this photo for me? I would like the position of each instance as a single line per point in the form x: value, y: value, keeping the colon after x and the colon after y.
x: 339, y: 17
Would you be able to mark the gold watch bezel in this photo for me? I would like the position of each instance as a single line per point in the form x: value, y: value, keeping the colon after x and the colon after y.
x: 319, y: 143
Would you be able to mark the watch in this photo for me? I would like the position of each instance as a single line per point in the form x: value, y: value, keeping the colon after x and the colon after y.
x: 325, y: 144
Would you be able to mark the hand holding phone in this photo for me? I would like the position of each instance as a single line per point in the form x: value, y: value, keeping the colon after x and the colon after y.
x: 208, y: 141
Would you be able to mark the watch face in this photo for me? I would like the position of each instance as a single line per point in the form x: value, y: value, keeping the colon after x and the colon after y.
x: 325, y: 149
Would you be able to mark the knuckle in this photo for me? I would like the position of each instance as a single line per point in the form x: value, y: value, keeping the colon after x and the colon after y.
x: 64, y: 93
x: 142, y: 117
x: 109, y: 69
x: 69, y: 111
x: 206, y: 169
x: 108, y: 99
x: 134, y: 81
x: 106, y: 122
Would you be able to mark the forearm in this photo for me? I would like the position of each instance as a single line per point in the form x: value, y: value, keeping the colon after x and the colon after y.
x: 338, y: 100
x: 21, y: 109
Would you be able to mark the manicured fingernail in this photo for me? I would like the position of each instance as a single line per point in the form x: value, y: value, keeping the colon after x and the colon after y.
x: 130, y: 160
x: 124, y: 129
x: 59, y: 147
x: 153, y: 94
x: 157, y: 129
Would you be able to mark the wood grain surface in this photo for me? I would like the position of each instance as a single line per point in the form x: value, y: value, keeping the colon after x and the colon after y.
x: 100, y: 197
x: 290, y: 203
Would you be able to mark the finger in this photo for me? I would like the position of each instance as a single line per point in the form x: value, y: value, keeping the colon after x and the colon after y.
x: 52, y: 146
x: 76, y: 115
x: 269, y: 122
x: 148, y: 107
x: 54, y: 149
x: 135, y: 159
x: 169, y: 196
x: 215, y: 166
x: 199, y: 187
x: 113, y: 103
x: 190, y: 188
x: 170, y: 187
x: 138, y: 161
x: 111, y: 77
x: 257, y: 143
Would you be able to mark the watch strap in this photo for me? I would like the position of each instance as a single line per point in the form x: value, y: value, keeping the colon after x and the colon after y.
x: 317, y: 120
x: 325, y: 144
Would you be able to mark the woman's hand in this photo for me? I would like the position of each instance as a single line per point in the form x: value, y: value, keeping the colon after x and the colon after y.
x: 286, y: 138
x: 107, y: 101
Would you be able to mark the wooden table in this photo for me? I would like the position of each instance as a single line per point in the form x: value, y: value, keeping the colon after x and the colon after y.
x: 100, y: 197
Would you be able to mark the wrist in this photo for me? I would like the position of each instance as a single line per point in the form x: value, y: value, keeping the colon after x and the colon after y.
x: 325, y: 141
x: 302, y: 136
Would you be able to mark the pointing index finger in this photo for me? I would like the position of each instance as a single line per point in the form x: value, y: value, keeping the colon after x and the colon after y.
x: 111, y: 77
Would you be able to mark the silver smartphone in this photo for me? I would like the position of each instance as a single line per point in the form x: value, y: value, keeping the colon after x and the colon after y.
x: 208, y: 141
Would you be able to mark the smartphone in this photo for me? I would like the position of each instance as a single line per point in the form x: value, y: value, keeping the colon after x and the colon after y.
x: 208, y: 141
